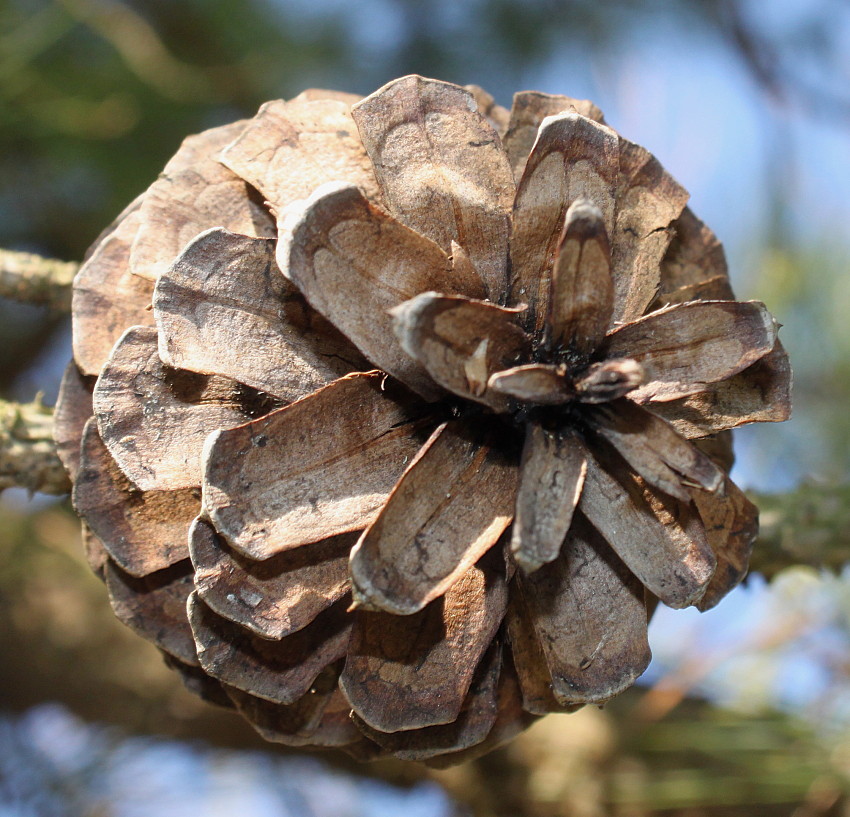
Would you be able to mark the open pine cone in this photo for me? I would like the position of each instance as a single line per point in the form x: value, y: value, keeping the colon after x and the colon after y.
x: 432, y: 403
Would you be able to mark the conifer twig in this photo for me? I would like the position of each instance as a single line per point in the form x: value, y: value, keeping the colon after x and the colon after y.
x: 36, y: 280
x: 28, y: 456
x: 807, y: 526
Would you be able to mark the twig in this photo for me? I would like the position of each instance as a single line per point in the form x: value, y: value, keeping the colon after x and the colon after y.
x: 36, y: 280
x: 28, y: 456
x: 143, y: 51
x: 775, y: 69
x: 808, y: 526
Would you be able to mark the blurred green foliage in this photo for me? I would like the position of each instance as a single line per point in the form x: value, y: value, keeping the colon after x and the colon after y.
x: 95, y: 95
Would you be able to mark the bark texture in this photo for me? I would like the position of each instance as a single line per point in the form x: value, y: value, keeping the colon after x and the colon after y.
x: 36, y: 280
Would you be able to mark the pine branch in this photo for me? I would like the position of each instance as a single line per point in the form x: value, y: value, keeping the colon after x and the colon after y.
x: 808, y: 526
x: 36, y: 280
x: 28, y: 456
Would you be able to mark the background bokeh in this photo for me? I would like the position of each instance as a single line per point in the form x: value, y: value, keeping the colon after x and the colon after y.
x: 746, y: 709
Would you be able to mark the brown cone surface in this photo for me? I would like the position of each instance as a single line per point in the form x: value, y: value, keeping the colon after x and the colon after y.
x: 387, y: 414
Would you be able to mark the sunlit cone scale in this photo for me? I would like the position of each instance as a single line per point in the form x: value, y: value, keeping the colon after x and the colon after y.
x: 388, y: 415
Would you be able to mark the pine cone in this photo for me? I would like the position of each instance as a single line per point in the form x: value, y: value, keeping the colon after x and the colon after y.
x: 432, y: 402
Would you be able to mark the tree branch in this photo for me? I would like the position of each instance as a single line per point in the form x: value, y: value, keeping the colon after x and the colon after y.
x: 775, y: 67
x: 808, y: 526
x: 36, y: 280
x: 28, y: 456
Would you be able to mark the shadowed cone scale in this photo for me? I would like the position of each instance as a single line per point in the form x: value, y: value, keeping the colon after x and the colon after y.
x: 388, y: 417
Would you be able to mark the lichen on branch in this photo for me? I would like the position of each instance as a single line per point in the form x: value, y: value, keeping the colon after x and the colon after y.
x: 36, y: 280
x: 808, y: 526
x: 28, y: 456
